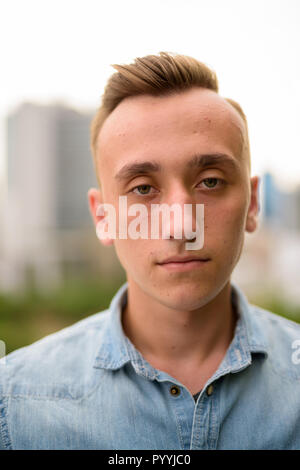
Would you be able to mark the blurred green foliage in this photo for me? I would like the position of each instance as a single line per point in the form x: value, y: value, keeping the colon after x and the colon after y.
x: 276, y: 304
x: 27, y: 317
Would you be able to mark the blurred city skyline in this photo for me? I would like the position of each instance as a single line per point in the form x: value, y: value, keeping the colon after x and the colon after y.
x: 61, y: 52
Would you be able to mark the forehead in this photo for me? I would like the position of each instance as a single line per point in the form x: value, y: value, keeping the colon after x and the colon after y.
x: 185, y: 122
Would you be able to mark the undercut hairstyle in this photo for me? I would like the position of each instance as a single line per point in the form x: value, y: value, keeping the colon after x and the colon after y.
x: 157, y: 75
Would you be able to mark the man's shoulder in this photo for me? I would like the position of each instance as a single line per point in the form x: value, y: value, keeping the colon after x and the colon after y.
x: 63, y: 357
x: 281, y: 337
x: 275, y: 322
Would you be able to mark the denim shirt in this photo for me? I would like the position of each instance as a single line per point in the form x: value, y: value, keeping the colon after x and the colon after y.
x: 88, y: 387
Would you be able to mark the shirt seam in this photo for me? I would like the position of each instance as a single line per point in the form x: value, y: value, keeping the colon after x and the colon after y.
x: 179, y: 429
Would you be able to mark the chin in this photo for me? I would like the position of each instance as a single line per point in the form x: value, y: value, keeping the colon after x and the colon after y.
x: 186, y: 296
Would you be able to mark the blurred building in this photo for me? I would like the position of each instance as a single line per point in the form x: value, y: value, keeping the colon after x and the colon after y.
x: 48, y: 231
x: 271, y: 257
x: 281, y: 209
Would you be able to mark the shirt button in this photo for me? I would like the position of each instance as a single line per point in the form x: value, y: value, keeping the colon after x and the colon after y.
x: 209, y: 390
x: 174, y: 390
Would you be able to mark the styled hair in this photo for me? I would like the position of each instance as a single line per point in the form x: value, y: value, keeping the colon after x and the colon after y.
x: 157, y: 75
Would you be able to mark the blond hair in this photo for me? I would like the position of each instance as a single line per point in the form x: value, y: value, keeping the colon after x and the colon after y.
x: 157, y: 75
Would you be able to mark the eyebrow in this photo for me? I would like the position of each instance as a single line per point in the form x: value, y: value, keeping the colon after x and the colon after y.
x: 134, y: 169
x: 198, y: 161
x: 203, y: 161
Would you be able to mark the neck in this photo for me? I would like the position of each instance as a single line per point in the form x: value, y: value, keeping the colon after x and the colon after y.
x: 167, y: 337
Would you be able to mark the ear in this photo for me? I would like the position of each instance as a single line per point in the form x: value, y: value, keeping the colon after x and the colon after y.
x: 95, y: 199
x: 253, y: 209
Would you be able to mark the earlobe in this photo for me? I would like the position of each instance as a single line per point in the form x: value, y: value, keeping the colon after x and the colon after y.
x: 251, y: 222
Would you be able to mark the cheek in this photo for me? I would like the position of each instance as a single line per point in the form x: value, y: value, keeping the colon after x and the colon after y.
x: 225, y: 225
x: 133, y: 254
x: 127, y: 251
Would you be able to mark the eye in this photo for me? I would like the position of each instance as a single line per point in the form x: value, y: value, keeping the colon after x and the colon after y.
x: 142, y: 189
x: 211, y: 183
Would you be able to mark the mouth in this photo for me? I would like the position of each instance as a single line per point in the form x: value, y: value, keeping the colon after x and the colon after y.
x: 181, y: 264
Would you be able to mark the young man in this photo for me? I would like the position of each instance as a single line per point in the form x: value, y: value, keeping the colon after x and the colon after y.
x: 180, y: 360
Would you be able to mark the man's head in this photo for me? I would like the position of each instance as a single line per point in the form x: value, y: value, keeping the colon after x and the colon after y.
x: 156, y: 75
x: 164, y: 135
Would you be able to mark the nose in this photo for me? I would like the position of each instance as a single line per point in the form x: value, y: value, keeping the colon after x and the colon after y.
x: 184, y: 216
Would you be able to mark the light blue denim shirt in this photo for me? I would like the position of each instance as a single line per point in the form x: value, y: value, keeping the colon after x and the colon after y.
x: 88, y: 387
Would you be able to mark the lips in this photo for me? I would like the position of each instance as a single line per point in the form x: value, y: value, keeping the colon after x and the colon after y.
x: 184, y: 264
x: 182, y: 259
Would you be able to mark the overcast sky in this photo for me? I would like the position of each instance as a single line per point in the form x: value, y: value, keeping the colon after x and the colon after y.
x: 62, y: 50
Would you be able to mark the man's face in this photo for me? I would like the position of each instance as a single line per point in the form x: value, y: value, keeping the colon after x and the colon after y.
x: 170, y: 131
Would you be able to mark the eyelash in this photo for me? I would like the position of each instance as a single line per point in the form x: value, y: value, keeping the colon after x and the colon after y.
x: 222, y: 182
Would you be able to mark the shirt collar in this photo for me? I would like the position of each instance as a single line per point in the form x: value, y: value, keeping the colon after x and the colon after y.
x: 116, y: 349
